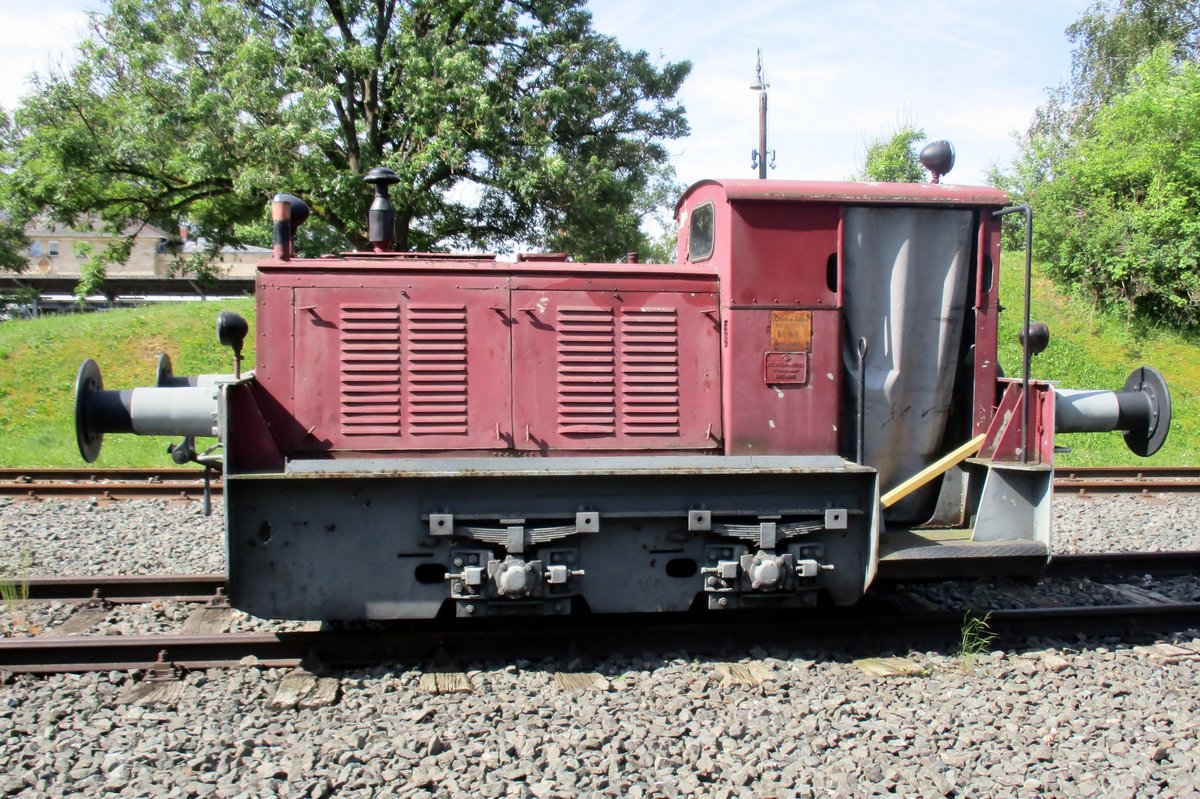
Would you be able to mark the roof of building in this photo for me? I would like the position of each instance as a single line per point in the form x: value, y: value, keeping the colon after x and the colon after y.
x: 198, y: 245
x: 42, y: 227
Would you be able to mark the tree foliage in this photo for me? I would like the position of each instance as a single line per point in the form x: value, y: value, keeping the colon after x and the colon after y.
x: 506, y: 120
x: 12, y: 234
x: 1109, y: 163
x: 894, y: 159
x: 1110, y: 41
x: 1121, y: 218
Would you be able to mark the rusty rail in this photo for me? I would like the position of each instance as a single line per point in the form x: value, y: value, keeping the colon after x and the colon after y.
x: 1112, y: 564
x: 533, y: 639
x: 126, y: 589
x: 1127, y: 480
x: 129, y: 589
x: 110, y: 484
x: 876, y: 620
x: 114, y: 484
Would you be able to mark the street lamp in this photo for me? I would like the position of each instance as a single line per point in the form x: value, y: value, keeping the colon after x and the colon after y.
x: 758, y: 158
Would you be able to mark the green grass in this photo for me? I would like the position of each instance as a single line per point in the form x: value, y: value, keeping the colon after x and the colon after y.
x: 1094, y: 349
x: 39, y: 359
x: 975, y: 638
x: 14, y: 592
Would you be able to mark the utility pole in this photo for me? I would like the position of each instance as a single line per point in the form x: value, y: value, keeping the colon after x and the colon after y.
x: 758, y: 158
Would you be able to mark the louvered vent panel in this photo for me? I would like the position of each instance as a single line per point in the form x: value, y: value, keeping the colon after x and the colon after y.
x: 650, y: 372
x: 436, y: 359
x: 369, y: 370
x: 587, y: 398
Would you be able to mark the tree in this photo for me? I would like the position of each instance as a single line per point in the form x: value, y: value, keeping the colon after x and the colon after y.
x: 1121, y: 218
x: 1109, y: 40
x: 1108, y: 163
x: 12, y: 234
x: 506, y: 120
x: 894, y: 159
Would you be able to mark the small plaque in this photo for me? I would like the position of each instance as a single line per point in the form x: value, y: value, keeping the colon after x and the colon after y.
x: 791, y: 331
x: 786, y: 367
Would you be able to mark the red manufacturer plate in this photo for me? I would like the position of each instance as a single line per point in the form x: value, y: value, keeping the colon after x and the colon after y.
x: 785, y: 367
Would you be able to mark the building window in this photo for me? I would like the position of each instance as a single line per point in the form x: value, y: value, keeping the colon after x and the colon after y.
x: 53, y: 248
x: 35, y: 249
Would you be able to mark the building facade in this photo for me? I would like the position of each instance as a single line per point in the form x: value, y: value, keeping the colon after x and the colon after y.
x: 60, y: 251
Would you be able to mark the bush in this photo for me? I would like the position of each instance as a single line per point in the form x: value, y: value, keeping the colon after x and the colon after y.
x: 1120, y: 216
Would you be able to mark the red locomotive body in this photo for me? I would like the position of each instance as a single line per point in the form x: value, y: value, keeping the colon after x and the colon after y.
x: 808, y: 395
x: 434, y: 354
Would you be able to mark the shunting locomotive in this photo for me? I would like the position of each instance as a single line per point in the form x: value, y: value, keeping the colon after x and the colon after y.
x: 807, y: 397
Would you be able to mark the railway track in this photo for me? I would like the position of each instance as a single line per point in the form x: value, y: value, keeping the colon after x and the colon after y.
x: 188, y: 484
x: 875, y: 622
x: 109, y: 484
x: 883, y: 619
x: 127, y: 589
x: 1127, y: 479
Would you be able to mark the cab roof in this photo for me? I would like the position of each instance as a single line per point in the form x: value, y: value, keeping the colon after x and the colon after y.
x: 837, y: 191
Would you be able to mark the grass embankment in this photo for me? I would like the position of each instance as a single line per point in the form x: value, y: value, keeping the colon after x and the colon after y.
x: 1093, y: 349
x: 40, y: 357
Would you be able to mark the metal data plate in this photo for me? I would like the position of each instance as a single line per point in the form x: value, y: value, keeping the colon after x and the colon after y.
x: 785, y: 368
x: 791, y: 331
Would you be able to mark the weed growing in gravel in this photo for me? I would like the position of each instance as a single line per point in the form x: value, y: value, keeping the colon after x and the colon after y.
x: 975, y: 639
x: 14, y: 591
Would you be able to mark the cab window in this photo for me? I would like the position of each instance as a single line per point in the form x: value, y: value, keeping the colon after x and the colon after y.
x: 700, y: 232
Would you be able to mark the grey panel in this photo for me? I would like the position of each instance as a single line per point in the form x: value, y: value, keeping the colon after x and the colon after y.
x: 905, y: 281
x: 1015, y: 504
x: 348, y: 545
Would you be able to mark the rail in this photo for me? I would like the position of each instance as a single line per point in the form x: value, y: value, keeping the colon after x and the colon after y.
x: 881, y: 618
x: 534, y: 639
x: 113, y: 484
x: 127, y: 589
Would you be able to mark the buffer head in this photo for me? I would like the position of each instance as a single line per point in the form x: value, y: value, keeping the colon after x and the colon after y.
x: 1146, y: 411
x: 89, y: 437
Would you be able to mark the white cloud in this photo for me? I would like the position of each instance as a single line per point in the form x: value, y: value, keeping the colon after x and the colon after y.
x: 35, y: 39
x: 966, y: 70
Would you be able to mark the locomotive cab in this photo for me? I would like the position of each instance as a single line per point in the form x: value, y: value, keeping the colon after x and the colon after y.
x: 807, y: 396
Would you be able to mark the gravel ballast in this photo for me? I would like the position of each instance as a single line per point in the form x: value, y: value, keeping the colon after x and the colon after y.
x: 1059, y: 719
x: 1100, y: 721
x: 1124, y: 523
x: 81, y: 537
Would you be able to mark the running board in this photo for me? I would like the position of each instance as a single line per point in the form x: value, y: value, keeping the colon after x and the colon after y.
x: 944, y: 554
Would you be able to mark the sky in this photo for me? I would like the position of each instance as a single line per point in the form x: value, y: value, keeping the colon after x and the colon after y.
x: 839, y: 73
